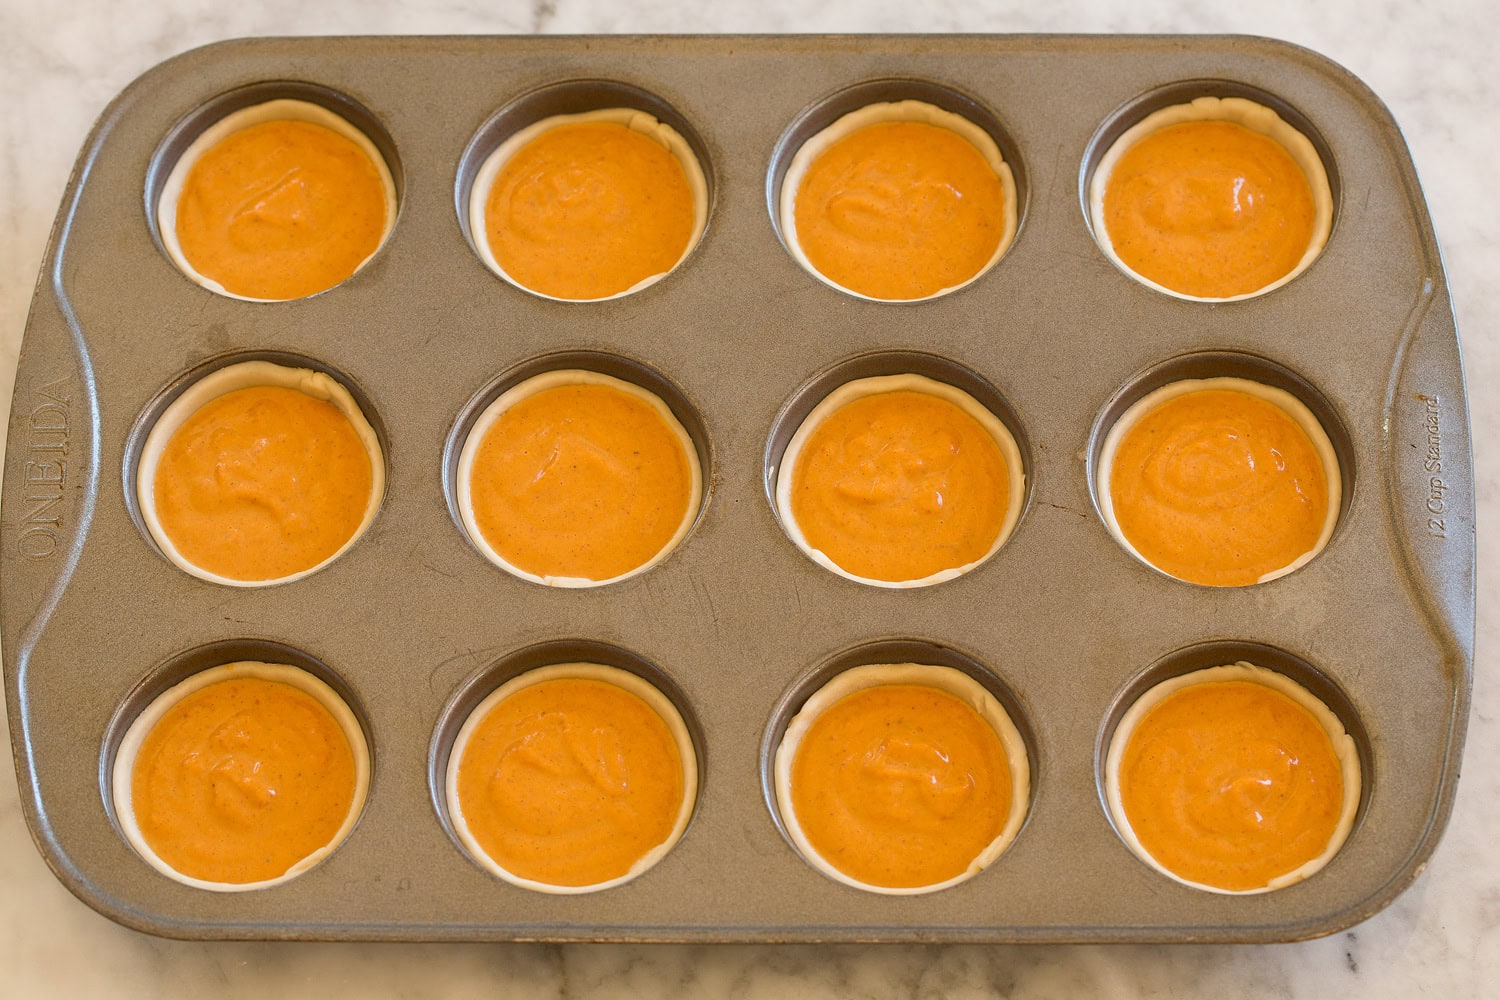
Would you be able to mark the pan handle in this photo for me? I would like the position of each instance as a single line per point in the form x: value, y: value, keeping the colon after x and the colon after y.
x: 1429, y: 468
x: 51, y: 473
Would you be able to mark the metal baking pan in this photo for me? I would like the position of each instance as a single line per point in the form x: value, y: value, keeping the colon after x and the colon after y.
x: 414, y: 626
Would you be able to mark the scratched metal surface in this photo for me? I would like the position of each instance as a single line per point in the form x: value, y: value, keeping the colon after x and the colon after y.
x: 414, y: 624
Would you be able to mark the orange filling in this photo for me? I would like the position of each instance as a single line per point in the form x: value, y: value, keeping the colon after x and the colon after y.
x: 589, y: 210
x: 900, y: 210
x: 261, y: 483
x: 580, y: 481
x: 1209, y: 208
x: 281, y: 210
x: 901, y: 785
x: 1219, y: 487
x: 570, y: 782
x: 1231, y: 784
x: 241, y: 780
x: 899, y: 486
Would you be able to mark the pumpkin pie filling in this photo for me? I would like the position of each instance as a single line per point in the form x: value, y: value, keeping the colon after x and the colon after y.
x: 1217, y: 199
x: 1218, y: 482
x: 899, y: 202
x: 579, y: 477
x: 900, y: 480
x: 902, y: 778
x: 272, y: 208
x: 1235, y: 779
x: 262, y: 483
x: 576, y: 780
x: 590, y: 206
x: 242, y: 775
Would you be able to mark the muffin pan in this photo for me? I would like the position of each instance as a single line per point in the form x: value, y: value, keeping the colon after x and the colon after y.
x: 413, y: 627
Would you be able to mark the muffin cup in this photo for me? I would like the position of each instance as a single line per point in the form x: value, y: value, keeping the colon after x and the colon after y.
x: 541, y: 383
x: 876, y: 114
x: 946, y: 679
x: 636, y: 121
x: 130, y: 746
x: 1343, y: 746
x: 1285, y: 401
x: 624, y: 679
x: 246, y: 375
x: 1239, y: 111
x: 284, y: 109
x: 874, y: 386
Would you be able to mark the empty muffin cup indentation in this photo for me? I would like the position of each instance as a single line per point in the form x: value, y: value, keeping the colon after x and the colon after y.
x: 591, y: 204
x: 1233, y: 779
x: 1215, y: 199
x: 575, y: 478
x: 278, y: 200
x: 571, y: 778
x: 241, y: 776
x: 900, y: 481
x: 259, y: 473
x: 901, y: 778
x: 1222, y: 481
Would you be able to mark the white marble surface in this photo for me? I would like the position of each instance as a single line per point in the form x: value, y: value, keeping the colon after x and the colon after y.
x: 1432, y: 62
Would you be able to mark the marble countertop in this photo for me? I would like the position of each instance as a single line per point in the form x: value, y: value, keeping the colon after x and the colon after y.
x: 1432, y: 62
